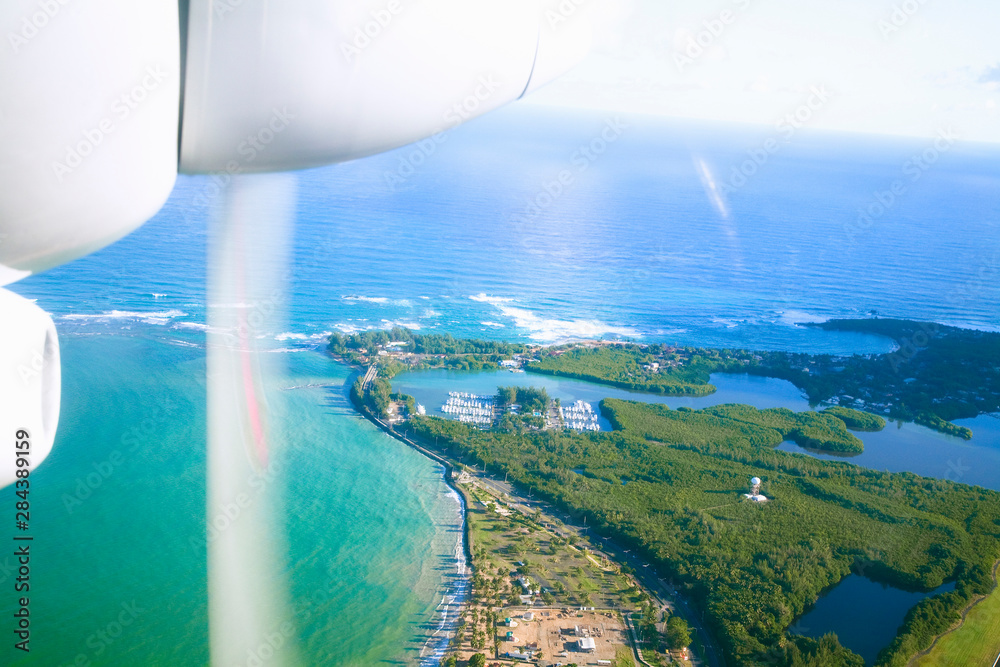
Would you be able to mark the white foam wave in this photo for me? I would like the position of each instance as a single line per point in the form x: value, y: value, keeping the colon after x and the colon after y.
x: 291, y: 335
x: 199, y: 326
x: 436, y: 646
x: 127, y: 315
x: 348, y: 329
x: 492, y: 324
x: 800, y: 317
x: 380, y: 300
x: 976, y: 326
x: 729, y: 324
x: 401, y: 323
x: 182, y: 343
x: 546, y: 330
x: 492, y: 300
x: 367, y: 299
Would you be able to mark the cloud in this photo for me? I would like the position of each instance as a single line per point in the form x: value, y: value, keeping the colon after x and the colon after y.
x: 991, y: 75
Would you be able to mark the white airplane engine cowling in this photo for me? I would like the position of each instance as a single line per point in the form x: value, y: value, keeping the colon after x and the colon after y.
x: 88, y: 125
x: 29, y: 383
x: 312, y: 83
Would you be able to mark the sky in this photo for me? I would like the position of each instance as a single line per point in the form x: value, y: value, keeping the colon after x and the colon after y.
x: 899, y: 67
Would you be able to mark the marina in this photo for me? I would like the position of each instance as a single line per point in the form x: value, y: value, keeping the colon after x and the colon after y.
x: 471, y: 408
x: 482, y: 410
x: 580, y: 416
x: 902, y: 447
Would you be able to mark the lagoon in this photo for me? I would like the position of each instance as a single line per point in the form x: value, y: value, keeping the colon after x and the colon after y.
x: 900, y: 447
x: 864, y: 614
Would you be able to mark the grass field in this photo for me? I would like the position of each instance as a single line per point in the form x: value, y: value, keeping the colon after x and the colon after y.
x: 571, y: 573
x: 975, y: 644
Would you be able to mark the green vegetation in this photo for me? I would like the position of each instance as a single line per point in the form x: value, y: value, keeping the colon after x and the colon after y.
x: 411, y: 350
x: 499, y: 541
x: 477, y: 660
x: 753, y: 568
x: 976, y: 642
x: 376, y: 400
x: 678, y: 632
x: 806, y: 652
x: 623, y: 658
x: 938, y: 373
x: 418, y: 343
x: 529, y: 398
x: 722, y: 425
x: 682, y: 372
x: 855, y: 419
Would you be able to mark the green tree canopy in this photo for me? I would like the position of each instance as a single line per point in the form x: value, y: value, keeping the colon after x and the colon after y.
x: 678, y: 632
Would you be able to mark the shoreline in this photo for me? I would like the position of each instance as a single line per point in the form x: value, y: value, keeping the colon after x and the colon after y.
x: 451, y: 466
x: 448, y: 474
x: 711, y: 659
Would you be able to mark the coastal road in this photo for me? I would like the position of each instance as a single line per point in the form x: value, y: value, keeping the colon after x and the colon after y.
x: 645, y: 574
x: 370, y: 375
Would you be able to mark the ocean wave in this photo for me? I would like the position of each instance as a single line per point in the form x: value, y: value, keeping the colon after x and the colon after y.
x: 126, y: 315
x: 366, y: 299
x: 452, y: 601
x: 492, y: 300
x: 971, y: 324
x: 198, y: 326
x: 546, y: 330
x: 729, y: 324
x: 157, y: 296
x: 182, y: 343
x: 380, y: 300
x: 348, y: 329
x: 800, y: 317
x: 290, y: 335
x: 550, y: 330
x: 389, y: 324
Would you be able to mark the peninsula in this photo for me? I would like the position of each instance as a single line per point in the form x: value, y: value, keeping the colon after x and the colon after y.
x: 669, y: 485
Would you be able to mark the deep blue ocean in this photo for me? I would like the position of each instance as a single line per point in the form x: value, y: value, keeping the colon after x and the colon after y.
x: 525, y: 225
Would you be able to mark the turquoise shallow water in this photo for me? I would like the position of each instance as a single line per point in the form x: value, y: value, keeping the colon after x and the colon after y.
x: 118, y: 516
